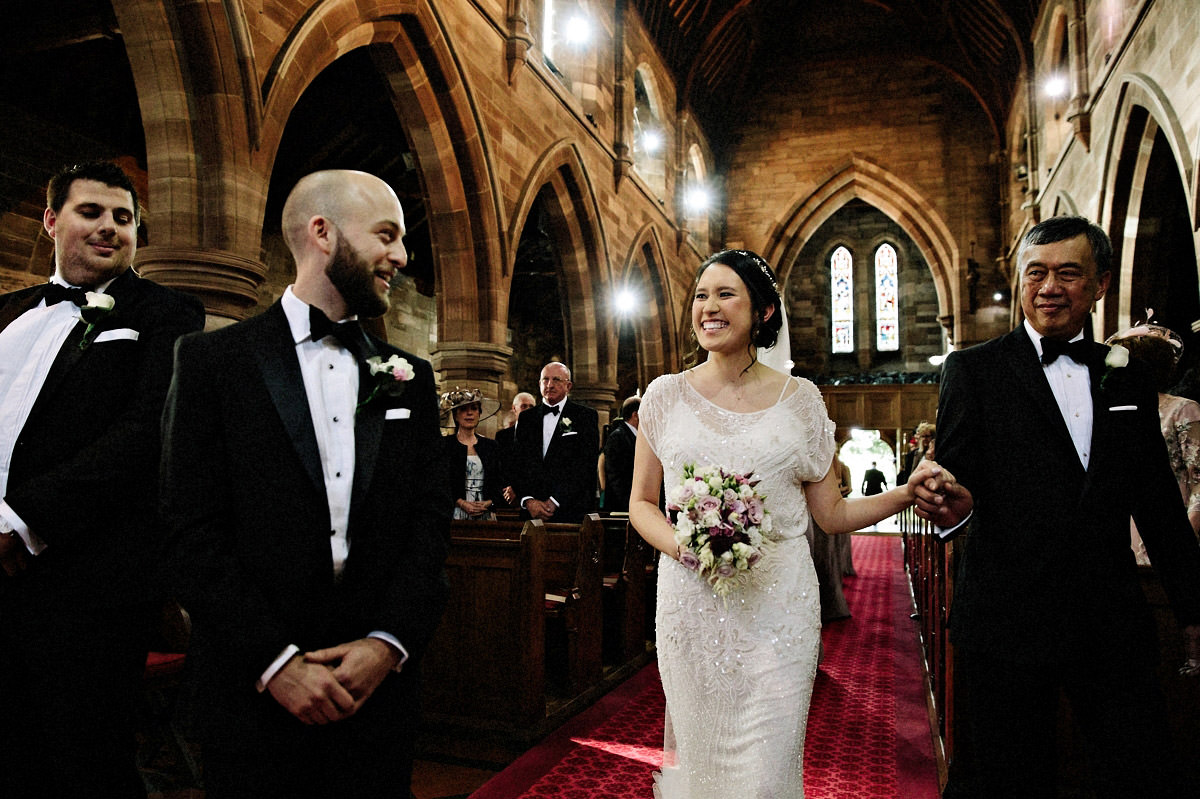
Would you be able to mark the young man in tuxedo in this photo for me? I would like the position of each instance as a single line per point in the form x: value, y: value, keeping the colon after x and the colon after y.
x: 557, y: 444
x: 1053, y: 450
x: 303, y: 485
x: 85, y: 361
x: 618, y: 457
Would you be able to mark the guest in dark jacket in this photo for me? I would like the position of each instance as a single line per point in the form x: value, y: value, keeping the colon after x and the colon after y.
x: 474, y: 461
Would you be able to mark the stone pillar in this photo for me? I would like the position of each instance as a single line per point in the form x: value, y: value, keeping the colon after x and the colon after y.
x: 599, y: 396
x: 225, y: 282
x: 474, y: 364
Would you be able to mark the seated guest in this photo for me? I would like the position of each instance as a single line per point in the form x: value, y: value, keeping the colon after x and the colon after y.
x: 474, y: 460
x: 1158, y: 348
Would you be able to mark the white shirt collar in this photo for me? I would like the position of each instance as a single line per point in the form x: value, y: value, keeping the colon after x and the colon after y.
x: 1037, y: 337
x: 296, y: 311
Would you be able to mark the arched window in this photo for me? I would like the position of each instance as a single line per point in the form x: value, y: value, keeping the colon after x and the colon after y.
x: 649, y: 133
x: 841, y: 274
x: 887, y: 315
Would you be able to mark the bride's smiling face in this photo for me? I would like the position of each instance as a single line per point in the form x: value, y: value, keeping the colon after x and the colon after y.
x: 722, y: 311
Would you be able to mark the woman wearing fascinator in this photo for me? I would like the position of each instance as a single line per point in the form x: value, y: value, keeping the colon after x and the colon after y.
x: 744, y: 452
x: 1158, y: 350
x: 474, y: 459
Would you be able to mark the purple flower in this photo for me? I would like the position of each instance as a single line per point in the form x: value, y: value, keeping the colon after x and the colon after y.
x: 726, y: 569
x: 754, y: 557
x: 688, y: 560
x: 707, y: 503
x: 754, y: 510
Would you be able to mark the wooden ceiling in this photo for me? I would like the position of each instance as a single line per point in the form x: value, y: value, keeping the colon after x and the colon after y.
x: 716, y: 47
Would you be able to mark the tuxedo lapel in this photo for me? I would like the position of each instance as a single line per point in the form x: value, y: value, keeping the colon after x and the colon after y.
x: 1029, y: 375
x: 281, y: 375
x: 19, y: 303
x: 368, y: 432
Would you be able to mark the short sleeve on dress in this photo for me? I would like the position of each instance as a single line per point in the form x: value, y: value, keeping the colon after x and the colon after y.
x: 822, y: 444
x: 652, y: 411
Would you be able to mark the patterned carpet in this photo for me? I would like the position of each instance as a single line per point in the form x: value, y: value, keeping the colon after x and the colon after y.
x: 868, y: 733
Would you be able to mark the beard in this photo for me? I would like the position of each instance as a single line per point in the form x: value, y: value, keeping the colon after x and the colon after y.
x: 354, y: 279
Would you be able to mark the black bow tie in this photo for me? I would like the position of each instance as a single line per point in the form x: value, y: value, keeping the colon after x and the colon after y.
x: 349, y: 334
x: 56, y: 293
x: 1078, y: 351
x: 551, y: 409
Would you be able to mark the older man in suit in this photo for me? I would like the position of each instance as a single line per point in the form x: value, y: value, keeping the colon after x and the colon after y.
x: 557, y: 444
x: 85, y: 361
x: 303, y: 484
x: 1053, y: 450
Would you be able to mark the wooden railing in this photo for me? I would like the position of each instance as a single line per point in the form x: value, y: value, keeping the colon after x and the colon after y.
x: 929, y: 563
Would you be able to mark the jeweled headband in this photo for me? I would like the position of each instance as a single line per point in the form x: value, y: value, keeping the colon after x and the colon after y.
x: 762, y: 264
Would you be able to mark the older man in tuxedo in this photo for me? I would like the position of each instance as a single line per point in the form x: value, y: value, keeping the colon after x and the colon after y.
x: 303, y: 485
x: 1053, y: 450
x: 557, y: 444
x: 85, y: 361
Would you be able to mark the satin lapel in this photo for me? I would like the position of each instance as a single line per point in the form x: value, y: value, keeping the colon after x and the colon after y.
x: 281, y: 375
x: 368, y: 433
x: 1030, y: 376
x: 18, y: 305
x: 1100, y: 414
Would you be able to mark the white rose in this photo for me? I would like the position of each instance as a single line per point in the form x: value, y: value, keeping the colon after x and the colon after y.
x: 97, y: 300
x: 1117, y: 358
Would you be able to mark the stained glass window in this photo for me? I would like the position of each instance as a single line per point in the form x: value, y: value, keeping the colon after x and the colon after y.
x: 887, y: 315
x: 841, y: 273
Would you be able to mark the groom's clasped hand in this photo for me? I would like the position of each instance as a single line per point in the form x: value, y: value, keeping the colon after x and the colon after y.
x: 937, y: 495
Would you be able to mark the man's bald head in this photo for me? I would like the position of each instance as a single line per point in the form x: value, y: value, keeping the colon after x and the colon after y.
x: 335, y: 194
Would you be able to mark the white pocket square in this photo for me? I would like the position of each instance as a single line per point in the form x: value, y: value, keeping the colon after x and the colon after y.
x: 1123, y: 408
x: 119, y: 334
x: 397, y: 413
x: 564, y: 435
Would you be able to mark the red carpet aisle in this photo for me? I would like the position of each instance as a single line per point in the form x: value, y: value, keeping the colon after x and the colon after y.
x: 868, y: 731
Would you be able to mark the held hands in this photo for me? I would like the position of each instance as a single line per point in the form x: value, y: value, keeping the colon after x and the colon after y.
x: 938, y: 496
x: 332, y: 684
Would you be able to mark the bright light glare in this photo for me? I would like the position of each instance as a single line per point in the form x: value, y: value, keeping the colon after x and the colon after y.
x: 697, y: 199
x: 936, y: 360
x: 997, y: 296
x: 652, y: 141
x: 1056, y: 86
x: 625, y: 301
x: 578, y: 30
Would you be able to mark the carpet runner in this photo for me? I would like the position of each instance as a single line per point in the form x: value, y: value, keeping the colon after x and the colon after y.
x: 868, y: 732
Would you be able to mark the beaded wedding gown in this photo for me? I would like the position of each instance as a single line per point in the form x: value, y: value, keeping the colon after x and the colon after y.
x: 738, y: 672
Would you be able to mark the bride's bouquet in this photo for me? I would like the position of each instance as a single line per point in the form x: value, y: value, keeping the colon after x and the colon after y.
x: 719, y: 520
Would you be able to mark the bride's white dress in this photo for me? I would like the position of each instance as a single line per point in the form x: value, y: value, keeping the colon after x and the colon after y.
x: 738, y: 672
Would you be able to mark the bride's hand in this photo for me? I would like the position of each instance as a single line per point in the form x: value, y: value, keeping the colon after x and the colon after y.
x: 929, y: 479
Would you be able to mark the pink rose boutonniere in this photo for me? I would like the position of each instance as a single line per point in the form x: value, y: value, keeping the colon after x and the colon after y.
x: 390, y: 377
x: 98, y: 306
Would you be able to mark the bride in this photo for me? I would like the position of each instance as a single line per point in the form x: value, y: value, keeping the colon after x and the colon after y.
x: 738, y: 669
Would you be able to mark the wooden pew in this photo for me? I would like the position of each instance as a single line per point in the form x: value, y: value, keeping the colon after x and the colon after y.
x: 626, y: 555
x: 485, y: 666
x: 573, y: 584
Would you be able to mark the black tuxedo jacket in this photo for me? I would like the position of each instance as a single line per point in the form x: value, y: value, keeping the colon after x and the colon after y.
x: 249, y: 521
x: 84, y: 471
x: 618, y: 467
x: 1046, y: 569
x: 456, y: 461
x: 568, y: 471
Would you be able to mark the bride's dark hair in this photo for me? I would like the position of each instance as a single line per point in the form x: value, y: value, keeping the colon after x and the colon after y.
x: 759, y: 278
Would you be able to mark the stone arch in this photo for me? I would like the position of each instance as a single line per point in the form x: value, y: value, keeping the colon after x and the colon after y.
x: 658, y: 341
x: 1147, y: 159
x: 862, y: 179
x: 435, y: 107
x: 562, y: 181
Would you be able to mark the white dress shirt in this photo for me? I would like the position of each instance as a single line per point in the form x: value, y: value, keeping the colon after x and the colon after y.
x: 330, y: 376
x: 549, y: 422
x: 28, y: 348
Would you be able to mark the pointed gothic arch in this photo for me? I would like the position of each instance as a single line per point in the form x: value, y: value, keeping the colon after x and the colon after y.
x: 561, y: 180
x: 862, y: 179
x: 655, y: 327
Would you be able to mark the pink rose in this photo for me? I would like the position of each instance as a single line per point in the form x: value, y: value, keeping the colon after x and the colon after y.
x: 726, y: 569
x: 688, y: 560
x: 707, y: 503
x: 754, y: 510
x: 753, y: 558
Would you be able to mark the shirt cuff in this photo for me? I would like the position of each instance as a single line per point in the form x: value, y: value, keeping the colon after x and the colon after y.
x: 946, y: 533
x: 278, y: 663
x: 391, y: 641
x: 33, y: 543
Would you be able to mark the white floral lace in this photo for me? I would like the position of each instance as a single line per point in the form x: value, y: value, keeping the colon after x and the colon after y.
x: 738, y: 672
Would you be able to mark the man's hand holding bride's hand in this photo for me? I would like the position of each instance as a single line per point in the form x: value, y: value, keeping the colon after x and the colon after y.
x: 938, y: 497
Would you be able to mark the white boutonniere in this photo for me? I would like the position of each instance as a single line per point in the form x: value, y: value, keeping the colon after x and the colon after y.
x: 98, y: 306
x: 1117, y: 358
x: 390, y: 377
x: 565, y: 424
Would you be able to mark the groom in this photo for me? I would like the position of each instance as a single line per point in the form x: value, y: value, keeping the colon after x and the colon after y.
x: 82, y: 383
x: 1048, y: 599
x: 308, y: 515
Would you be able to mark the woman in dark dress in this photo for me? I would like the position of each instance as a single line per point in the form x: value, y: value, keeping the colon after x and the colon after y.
x: 474, y: 460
